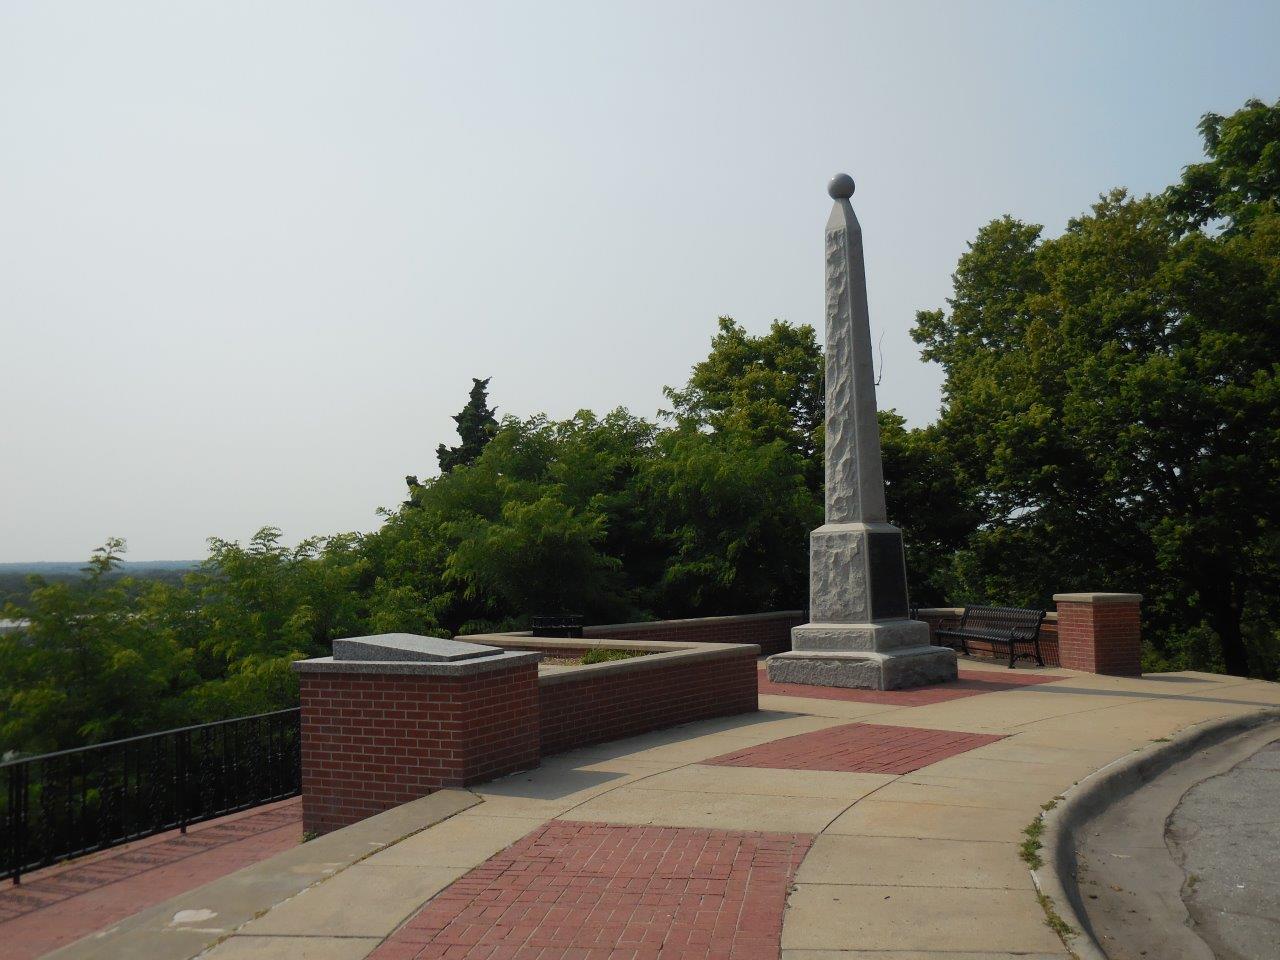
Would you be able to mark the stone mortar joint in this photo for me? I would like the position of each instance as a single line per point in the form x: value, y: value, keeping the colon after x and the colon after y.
x: 1055, y: 879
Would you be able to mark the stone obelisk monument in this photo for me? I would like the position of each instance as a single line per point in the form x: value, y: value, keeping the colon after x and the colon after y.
x: 859, y: 634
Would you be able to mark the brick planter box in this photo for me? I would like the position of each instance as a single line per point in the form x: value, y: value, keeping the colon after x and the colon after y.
x: 378, y: 733
x: 673, y: 683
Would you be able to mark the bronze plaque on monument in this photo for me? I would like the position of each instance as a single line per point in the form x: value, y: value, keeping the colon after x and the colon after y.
x: 888, y: 576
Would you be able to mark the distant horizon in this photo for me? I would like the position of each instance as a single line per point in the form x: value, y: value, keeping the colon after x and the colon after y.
x: 17, y: 566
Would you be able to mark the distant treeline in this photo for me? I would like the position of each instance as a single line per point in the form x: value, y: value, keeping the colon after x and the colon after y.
x: 16, y: 586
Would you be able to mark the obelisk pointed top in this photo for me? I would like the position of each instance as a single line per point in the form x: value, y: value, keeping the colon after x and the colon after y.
x: 840, y: 187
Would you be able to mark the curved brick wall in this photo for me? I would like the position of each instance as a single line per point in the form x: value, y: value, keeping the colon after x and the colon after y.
x: 580, y: 707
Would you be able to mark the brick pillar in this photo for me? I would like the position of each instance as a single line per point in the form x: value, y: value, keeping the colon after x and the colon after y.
x: 379, y: 734
x: 1100, y: 632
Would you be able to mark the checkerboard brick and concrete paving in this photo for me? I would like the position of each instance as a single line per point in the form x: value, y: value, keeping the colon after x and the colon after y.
x: 921, y: 865
x: 858, y: 748
x: 623, y: 893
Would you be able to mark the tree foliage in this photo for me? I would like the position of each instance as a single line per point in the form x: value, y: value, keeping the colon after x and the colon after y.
x: 476, y: 427
x: 1113, y: 399
x: 1241, y: 178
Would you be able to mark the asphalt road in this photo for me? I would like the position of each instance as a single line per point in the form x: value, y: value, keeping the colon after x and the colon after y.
x: 1188, y: 867
x: 1226, y: 835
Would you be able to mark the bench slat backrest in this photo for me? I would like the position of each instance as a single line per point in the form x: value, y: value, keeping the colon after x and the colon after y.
x: 1019, y: 623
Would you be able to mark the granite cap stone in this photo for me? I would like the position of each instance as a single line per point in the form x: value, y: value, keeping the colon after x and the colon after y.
x: 1097, y: 598
x: 410, y: 654
x: 410, y: 647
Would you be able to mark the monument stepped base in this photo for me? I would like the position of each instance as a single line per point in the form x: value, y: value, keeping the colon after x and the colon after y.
x: 894, y: 669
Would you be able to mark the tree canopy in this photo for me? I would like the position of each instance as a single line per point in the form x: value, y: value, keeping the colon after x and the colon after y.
x: 476, y: 427
x: 1112, y: 396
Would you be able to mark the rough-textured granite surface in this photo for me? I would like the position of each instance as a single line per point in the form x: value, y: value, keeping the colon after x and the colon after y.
x: 910, y: 667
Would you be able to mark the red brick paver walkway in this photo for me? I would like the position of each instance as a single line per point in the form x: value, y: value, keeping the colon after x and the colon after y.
x: 61, y: 904
x: 593, y: 891
x: 857, y: 748
x: 971, y: 684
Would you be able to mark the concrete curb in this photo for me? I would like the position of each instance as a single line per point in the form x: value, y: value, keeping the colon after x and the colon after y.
x: 1055, y: 879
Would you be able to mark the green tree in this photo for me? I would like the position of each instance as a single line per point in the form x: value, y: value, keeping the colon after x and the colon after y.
x: 927, y: 497
x: 469, y: 554
x: 1113, y: 395
x: 735, y: 520
x: 476, y: 427
x: 252, y: 609
x: 753, y: 391
x: 1241, y: 178
x: 759, y: 389
x: 83, y: 670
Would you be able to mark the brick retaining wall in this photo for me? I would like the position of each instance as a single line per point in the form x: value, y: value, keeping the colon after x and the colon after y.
x: 580, y: 707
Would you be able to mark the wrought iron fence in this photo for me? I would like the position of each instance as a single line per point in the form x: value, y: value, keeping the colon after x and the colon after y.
x: 62, y: 805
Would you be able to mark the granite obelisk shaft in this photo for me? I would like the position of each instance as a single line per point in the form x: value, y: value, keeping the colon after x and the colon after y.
x: 858, y: 634
x: 855, y: 477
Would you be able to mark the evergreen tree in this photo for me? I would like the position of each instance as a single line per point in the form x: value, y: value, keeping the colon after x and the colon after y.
x: 476, y: 427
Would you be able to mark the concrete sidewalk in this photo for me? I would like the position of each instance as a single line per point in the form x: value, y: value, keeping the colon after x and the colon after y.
x: 915, y: 864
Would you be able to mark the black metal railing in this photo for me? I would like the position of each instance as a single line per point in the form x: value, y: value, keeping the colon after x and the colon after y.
x: 62, y: 805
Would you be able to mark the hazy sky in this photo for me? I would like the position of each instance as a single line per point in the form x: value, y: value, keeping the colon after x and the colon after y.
x: 251, y: 254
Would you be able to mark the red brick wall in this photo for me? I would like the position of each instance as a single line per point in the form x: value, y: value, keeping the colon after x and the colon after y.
x: 771, y: 631
x: 603, y: 706
x: 373, y: 741
x: 1101, y: 637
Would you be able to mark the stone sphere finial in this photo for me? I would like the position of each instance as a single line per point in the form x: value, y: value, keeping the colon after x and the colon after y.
x: 840, y: 187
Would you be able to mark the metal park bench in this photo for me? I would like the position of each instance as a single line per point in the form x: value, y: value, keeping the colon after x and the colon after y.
x: 1007, y: 626
x: 563, y: 625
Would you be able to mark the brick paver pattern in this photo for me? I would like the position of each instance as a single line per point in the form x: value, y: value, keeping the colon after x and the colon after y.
x: 60, y: 904
x: 971, y: 684
x: 593, y: 891
x: 857, y: 748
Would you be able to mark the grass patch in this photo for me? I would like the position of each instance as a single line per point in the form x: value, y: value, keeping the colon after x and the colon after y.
x: 1055, y: 922
x: 1029, y: 850
x: 308, y: 836
x: 600, y: 655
